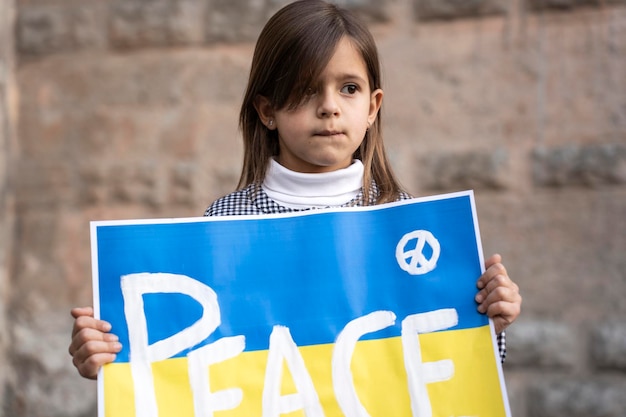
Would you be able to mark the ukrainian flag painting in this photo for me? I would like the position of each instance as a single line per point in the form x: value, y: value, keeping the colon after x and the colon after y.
x: 350, y: 312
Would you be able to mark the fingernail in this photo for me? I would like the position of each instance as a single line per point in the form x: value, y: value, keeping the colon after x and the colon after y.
x: 479, y: 298
x: 481, y: 309
x: 117, y: 346
x: 106, y: 326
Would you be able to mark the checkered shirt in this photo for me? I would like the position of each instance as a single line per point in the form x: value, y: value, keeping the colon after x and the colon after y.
x: 253, y: 200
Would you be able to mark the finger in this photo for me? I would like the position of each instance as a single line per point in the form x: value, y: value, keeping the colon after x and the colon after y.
x: 89, y: 368
x: 89, y: 334
x: 502, y: 302
x: 92, y: 353
x: 498, y: 294
x: 496, y: 276
x: 88, y: 322
x: 81, y: 311
x: 92, y: 335
x: 500, y: 280
x: 500, y: 324
x: 504, y: 309
x: 95, y: 347
x: 503, y: 314
x: 496, y: 258
x: 493, y: 268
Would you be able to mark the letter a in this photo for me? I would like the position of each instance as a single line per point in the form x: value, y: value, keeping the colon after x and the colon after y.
x: 282, y: 347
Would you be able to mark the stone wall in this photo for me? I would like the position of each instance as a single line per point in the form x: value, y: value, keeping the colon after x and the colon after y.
x: 8, y: 112
x: 129, y: 110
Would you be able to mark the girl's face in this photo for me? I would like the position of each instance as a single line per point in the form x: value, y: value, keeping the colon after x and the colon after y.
x: 322, y: 133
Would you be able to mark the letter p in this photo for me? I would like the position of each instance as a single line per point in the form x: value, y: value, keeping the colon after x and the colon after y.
x: 142, y: 354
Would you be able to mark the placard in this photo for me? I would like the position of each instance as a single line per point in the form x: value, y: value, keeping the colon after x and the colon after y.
x: 365, y: 311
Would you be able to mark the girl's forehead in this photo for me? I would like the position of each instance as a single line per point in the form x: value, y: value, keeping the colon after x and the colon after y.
x: 346, y: 61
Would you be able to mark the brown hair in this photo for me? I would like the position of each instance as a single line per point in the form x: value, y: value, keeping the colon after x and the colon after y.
x: 292, y: 51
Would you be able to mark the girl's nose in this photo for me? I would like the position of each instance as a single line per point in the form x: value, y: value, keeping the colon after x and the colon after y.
x: 327, y: 106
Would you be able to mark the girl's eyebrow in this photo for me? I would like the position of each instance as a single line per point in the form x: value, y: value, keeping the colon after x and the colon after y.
x: 348, y: 76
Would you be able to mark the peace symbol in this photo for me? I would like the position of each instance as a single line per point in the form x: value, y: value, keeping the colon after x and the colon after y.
x: 414, y: 261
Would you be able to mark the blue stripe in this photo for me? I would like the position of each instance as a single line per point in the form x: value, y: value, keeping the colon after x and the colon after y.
x: 311, y: 273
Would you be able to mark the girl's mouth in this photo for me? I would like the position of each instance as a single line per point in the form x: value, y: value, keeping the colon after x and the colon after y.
x: 328, y: 133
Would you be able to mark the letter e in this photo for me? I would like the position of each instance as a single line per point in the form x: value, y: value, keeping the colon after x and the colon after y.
x: 419, y: 373
x: 206, y: 402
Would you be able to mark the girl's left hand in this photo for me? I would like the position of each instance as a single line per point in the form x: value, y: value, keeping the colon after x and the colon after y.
x: 499, y: 296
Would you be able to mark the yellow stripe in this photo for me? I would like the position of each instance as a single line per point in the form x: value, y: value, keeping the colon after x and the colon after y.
x: 377, y: 367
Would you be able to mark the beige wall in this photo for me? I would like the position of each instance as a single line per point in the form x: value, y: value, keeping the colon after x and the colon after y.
x: 8, y: 120
x: 129, y: 110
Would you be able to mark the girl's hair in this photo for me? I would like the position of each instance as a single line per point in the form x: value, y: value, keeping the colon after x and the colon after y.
x: 292, y: 51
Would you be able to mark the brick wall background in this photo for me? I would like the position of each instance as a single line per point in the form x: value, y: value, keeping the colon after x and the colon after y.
x: 128, y: 109
x: 8, y: 109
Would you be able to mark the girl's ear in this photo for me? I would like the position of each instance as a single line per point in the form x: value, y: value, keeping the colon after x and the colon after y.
x: 376, y: 100
x: 265, y: 110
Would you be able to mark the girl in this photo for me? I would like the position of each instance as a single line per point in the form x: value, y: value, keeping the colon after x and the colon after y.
x: 312, y: 139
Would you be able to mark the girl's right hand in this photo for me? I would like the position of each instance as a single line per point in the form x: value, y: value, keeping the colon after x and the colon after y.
x: 92, y: 345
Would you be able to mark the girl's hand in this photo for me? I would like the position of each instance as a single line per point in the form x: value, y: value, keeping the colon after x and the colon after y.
x: 499, y: 297
x: 92, y: 345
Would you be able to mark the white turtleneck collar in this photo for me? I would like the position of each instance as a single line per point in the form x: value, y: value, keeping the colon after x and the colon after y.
x: 302, y: 190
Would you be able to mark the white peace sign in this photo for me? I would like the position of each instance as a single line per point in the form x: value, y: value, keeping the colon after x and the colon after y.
x: 414, y: 261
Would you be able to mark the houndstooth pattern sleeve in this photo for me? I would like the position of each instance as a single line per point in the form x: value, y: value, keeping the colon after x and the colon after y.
x: 253, y: 200
x: 249, y: 200
x: 238, y: 203
x: 502, y: 346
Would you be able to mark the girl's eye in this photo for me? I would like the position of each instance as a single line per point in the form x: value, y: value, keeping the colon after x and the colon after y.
x: 350, y: 89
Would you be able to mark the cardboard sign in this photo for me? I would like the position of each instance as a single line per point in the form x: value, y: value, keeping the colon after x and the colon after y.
x: 342, y: 312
